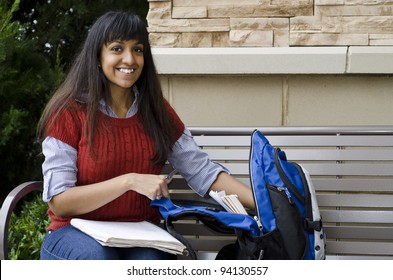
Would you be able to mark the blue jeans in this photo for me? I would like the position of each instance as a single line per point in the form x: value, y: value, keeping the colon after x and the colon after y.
x: 69, y: 243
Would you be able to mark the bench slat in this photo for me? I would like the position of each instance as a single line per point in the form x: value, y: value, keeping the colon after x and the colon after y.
x: 355, y: 200
x: 359, y: 232
x: 308, y: 154
x: 329, y: 169
x: 360, y: 248
x: 354, y: 185
x: 332, y: 231
x: 357, y: 216
x: 299, y: 141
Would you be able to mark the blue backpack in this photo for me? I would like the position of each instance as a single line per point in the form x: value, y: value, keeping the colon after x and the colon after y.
x: 287, y: 222
x: 285, y: 200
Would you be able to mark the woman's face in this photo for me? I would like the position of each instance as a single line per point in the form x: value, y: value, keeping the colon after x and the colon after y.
x: 122, y: 63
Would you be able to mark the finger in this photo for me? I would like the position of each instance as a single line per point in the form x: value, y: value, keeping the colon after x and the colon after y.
x: 168, y: 180
x: 165, y: 191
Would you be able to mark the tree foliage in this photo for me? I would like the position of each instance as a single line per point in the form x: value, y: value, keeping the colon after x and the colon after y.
x: 26, y: 79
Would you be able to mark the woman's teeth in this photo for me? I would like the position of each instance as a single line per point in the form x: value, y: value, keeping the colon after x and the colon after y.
x: 127, y: 71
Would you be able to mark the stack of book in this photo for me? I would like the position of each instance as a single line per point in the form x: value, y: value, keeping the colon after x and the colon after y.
x: 229, y: 202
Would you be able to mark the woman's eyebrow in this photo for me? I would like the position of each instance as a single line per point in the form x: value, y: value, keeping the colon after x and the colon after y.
x: 115, y: 41
x: 123, y: 41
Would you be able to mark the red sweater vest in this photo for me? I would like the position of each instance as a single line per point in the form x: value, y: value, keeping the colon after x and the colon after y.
x: 120, y: 146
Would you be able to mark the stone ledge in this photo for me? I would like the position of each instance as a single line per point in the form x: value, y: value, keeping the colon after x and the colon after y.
x: 284, y: 60
x: 370, y: 60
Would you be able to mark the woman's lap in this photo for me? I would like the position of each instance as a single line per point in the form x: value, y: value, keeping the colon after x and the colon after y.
x: 69, y: 243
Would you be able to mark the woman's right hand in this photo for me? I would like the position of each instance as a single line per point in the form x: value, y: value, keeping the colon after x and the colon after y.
x: 152, y: 186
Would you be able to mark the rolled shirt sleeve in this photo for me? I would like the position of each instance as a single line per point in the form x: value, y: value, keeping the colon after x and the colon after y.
x: 59, y: 167
x: 194, y: 164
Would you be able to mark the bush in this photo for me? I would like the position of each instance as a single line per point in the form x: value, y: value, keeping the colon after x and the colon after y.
x: 27, y: 229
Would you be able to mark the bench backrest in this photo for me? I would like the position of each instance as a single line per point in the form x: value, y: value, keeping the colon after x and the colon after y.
x: 351, y: 168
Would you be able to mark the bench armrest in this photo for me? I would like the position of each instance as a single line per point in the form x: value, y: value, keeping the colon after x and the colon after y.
x: 8, y: 207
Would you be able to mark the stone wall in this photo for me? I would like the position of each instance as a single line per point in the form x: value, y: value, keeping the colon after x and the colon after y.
x: 270, y: 23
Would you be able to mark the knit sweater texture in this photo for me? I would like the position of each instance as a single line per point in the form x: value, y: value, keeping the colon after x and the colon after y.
x: 120, y: 146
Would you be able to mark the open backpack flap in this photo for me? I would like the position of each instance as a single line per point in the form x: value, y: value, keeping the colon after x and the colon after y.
x: 285, y: 200
x: 210, y: 215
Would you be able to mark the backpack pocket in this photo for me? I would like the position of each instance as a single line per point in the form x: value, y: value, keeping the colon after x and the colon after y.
x: 248, y: 247
x: 289, y: 223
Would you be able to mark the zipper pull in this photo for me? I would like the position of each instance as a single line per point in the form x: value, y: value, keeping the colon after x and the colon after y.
x: 288, y: 194
x: 258, y: 222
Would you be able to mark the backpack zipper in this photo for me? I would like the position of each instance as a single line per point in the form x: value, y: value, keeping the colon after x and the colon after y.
x: 256, y: 217
x: 258, y: 223
x: 287, y: 193
x: 285, y: 179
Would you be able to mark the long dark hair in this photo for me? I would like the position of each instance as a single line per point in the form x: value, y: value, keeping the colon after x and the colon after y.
x: 86, y: 83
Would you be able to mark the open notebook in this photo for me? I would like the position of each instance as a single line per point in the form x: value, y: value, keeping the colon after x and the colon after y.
x: 130, y: 234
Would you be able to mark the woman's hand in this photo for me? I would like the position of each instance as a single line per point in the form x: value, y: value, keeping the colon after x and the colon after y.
x: 152, y: 186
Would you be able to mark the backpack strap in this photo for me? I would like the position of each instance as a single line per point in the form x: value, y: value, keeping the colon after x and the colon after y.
x: 308, y: 223
x: 284, y: 177
x: 190, y: 252
x: 312, y: 225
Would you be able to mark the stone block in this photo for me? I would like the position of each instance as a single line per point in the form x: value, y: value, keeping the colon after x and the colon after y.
x: 311, y: 24
x: 327, y: 39
x: 251, y: 38
x: 259, y: 23
x: 355, y: 10
x: 193, y: 3
x: 280, y: 38
x: 244, y: 11
x: 159, y: 10
x: 189, y: 25
x: 368, y: 2
x: 329, y: 2
x: 220, y: 39
x: 380, y: 39
x: 196, y: 40
x: 374, y: 24
x: 165, y: 40
x: 189, y: 12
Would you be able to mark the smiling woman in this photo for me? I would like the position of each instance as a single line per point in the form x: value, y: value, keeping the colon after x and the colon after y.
x: 106, y: 134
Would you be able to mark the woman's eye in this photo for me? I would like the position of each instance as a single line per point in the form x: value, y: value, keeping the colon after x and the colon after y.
x: 116, y: 49
x: 138, y: 50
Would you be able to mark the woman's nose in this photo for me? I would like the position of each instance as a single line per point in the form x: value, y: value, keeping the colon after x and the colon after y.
x: 128, y: 57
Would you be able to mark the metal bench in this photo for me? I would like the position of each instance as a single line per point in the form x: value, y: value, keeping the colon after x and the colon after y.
x: 351, y: 168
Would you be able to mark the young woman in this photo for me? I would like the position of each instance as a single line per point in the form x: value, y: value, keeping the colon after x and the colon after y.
x: 106, y: 133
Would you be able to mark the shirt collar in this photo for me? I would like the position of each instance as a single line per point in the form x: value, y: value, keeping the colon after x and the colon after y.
x: 106, y: 109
